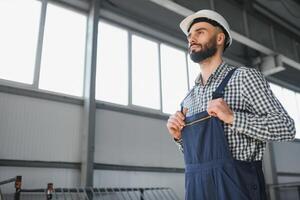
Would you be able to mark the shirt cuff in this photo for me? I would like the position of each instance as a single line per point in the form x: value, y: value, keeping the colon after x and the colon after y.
x: 178, y: 141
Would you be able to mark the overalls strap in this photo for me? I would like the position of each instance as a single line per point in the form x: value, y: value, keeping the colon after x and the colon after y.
x: 219, y: 92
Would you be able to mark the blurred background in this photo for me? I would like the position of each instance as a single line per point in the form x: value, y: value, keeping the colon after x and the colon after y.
x: 87, y: 86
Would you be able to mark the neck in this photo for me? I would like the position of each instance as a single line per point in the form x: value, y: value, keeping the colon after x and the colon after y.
x: 208, y: 66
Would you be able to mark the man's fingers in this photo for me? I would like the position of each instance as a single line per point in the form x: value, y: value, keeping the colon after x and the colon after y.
x: 180, y: 115
x: 212, y: 114
x: 177, y: 121
x: 212, y: 110
x: 174, y: 126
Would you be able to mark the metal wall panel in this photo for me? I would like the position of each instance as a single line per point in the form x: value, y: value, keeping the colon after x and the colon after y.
x: 287, y: 157
x: 233, y: 14
x: 36, y: 129
x: 195, y: 5
x: 260, y: 31
x: 297, y: 46
x: 284, y: 44
x: 127, y: 139
x: 288, y: 179
x: 140, y: 179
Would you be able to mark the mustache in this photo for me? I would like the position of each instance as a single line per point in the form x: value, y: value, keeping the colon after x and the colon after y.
x: 194, y: 44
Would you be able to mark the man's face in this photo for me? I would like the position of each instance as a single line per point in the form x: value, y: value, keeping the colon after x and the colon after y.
x: 202, y: 39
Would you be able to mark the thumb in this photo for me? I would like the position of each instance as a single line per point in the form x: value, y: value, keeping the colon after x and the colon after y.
x: 184, y: 111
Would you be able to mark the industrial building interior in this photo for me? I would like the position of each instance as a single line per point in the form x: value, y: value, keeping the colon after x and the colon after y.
x: 87, y: 87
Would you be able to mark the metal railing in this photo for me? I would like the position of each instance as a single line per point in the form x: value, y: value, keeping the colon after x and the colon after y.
x: 18, y: 183
x: 282, y: 191
x: 49, y: 193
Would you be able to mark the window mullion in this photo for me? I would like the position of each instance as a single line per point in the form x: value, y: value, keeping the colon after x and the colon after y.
x: 160, y: 78
x: 129, y: 34
x: 40, y: 44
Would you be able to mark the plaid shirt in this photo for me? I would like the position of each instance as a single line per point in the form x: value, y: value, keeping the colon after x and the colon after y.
x: 258, y: 115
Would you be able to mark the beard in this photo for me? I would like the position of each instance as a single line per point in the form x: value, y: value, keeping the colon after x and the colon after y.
x: 207, y: 50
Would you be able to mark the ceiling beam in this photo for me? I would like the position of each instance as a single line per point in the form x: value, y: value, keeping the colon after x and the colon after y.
x: 183, y: 11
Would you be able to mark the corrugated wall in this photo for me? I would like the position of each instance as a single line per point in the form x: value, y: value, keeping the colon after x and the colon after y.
x: 287, y: 161
x: 44, y: 130
x: 36, y: 129
x: 128, y: 139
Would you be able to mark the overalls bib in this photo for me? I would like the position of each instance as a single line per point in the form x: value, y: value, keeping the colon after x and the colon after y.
x: 211, y: 173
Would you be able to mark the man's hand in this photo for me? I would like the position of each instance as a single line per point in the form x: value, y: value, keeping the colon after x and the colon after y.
x: 219, y: 108
x: 176, y: 123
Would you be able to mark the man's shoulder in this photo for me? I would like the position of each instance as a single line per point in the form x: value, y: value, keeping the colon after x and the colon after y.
x: 247, y: 76
x: 239, y: 68
x: 243, y: 71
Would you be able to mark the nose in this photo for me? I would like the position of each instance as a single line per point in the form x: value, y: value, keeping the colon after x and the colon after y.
x: 191, y: 40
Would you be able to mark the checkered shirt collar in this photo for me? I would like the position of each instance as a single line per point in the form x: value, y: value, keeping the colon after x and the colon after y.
x: 219, y: 70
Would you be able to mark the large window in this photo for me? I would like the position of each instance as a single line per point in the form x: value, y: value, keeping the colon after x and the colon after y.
x: 277, y: 90
x: 112, y: 64
x: 174, y: 77
x: 62, y: 66
x: 291, y: 102
x: 113, y: 67
x: 291, y: 106
x: 145, y: 73
x: 18, y: 39
x: 194, y: 70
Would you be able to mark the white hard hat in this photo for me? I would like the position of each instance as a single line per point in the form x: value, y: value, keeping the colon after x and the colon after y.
x: 209, y: 14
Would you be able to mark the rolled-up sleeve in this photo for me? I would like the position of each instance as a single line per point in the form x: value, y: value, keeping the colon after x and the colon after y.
x: 265, y: 118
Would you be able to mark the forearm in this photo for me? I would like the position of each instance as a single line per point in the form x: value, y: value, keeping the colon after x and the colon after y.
x: 269, y: 127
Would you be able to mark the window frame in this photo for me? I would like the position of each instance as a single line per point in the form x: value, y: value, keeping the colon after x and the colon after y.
x: 41, y: 43
x: 158, y: 43
x: 17, y: 84
x: 17, y: 87
x: 152, y: 38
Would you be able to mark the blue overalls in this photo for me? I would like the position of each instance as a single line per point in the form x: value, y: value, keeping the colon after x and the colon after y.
x: 211, y: 173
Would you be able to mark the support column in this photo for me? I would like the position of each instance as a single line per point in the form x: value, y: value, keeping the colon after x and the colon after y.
x: 89, y: 110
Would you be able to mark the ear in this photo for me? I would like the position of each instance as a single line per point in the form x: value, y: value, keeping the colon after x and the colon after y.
x: 220, y: 38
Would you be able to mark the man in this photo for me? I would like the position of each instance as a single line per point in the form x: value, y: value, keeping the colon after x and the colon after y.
x: 226, y: 118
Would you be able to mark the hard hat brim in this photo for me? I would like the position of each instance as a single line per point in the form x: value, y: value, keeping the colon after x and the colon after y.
x: 186, y: 23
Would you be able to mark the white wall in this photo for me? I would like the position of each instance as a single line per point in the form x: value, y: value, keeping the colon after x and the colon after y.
x: 286, y: 159
x: 287, y: 156
x: 36, y: 129
x: 127, y: 139
x: 134, y: 140
x: 45, y: 130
